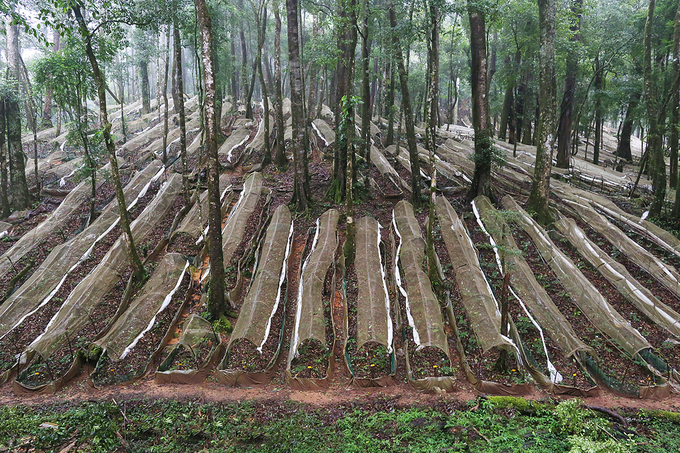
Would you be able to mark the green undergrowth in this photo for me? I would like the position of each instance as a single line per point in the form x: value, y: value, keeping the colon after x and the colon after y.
x: 496, y: 424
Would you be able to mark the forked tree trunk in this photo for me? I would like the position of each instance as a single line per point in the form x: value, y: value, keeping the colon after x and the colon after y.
x: 481, y: 179
x: 280, y: 160
x: 623, y: 148
x: 301, y: 194
x: 136, y: 262
x: 216, y: 302
x: 540, y: 187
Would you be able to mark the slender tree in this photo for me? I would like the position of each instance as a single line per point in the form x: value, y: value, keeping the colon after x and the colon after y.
x: 567, y: 108
x: 540, y: 187
x: 655, y: 148
x: 216, y: 302
x: 406, y: 108
x: 280, y: 158
x: 98, y: 76
x: 177, y: 48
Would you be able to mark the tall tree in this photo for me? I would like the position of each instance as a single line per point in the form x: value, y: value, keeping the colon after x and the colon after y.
x: 406, y: 108
x: 540, y: 187
x: 654, y: 144
x: 46, y: 121
x: 280, y: 158
x: 675, y: 108
x: 481, y: 179
x: 302, y: 198
x: 20, y: 196
x: 177, y: 47
x: 98, y: 76
x: 216, y: 302
x: 567, y: 108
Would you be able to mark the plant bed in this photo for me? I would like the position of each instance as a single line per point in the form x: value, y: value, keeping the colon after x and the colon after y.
x: 656, y: 335
x: 418, y: 303
x: 41, y: 372
x: 620, y: 373
x: 256, y: 339
x: 384, y: 184
x: 664, y: 255
x: 244, y: 253
x: 313, y: 360
x: 135, y: 363
x: 185, y: 244
x: 188, y: 357
x: 369, y: 349
x: 483, y: 364
x: 311, y: 348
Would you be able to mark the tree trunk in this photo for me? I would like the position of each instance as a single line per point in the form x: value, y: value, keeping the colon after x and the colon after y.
x: 567, y: 108
x: 46, y: 122
x: 280, y: 159
x: 389, y: 101
x: 344, y: 116
x: 177, y: 45
x: 406, y: 107
x: 234, y: 73
x: 366, y: 89
x: 675, y: 106
x: 261, y: 34
x: 20, y: 197
x: 481, y: 179
x: 598, y: 85
x: 623, y: 148
x: 313, y: 73
x: 165, y: 97
x: 658, y: 165
x: 216, y: 305
x: 137, y: 266
x: 144, y: 86
x: 244, y: 56
x: 301, y: 194
x: 507, y: 106
x: 540, y: 187
x: 4, y: 196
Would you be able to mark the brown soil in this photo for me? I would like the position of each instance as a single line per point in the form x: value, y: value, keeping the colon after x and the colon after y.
x: 185, y: 244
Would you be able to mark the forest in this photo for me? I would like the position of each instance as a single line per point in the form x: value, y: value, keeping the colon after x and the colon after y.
x: 445, y: 196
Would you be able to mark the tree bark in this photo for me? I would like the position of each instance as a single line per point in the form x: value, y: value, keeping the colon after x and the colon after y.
x: 406, y: 107
x: 540, y: 187
x: 165, y: 97
x: 344, y: 146
x: 301, y: 194
x: 46, y: 121
x: 658, y: 165
x: 481, y: 179
x: 675, y: 108
x: 21, y: 198
x: 280, y: 159
x: 216, y: 303
x: 144, y: 86
x: 261, y: 34
x: 389, y: 101
x: 507, y: 106
x: 366, y: 88
x: 4, y: 196
x: 598, y: 86
x: 567, y: 108
x: 137, y: 266
x: 177, y: 45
